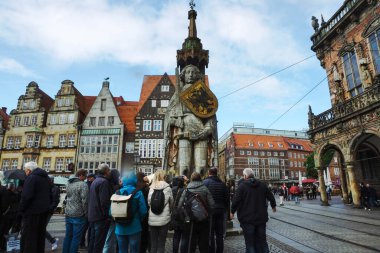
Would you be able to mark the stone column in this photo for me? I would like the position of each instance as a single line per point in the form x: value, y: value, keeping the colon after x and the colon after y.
x: 322, y: 187
x: 343, y: 184
x: 354, y: 185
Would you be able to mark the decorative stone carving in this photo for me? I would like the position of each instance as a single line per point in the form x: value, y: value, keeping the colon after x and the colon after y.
x: 314, y: 23
x: 365, y: 75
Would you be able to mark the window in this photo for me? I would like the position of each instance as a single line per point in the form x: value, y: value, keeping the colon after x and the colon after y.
x: 14, y: 164
x: 282, y: 162
x: 256, y: 153
x: 299, y: 155
x: 17, y: 121
x: 46, y: 164
x: 280, y: 145
x: 151, y: 148
x: 29, y: 141
x: 374, y: 43
x: 164, y: 103
x: 157, y: 125
x: 67, y: 102
x: 273, y: 161
x: 303, y: 156
x: 101, y: 121
x: 62, y: 119
x: 275, y: 154
x: 129, y: 147
x: 282, y: 154
x: 241, y: 152
x: 270, y: 145
x: 111, y: 121
x: 352, y: 73
x: 32, y: 104
x: 290, y: 154
x: 68, y: 161
x: 261, y: 144
x: 24, y: 105
x: 62, y: 141
x: 34, y: 120
x: 58, y: 164
x: 292, y: 174
x: 71, y: 118
x: 269, y: 153
x: 49, y: 141
x: 53, y: 119
x: 37, y: 139
x: 164, y: 88
x: 60, y: 102
x: 248, y: 152
x: 335, y: 159
x: 17, y: 142
x: 291, y: 164
x: 147, y: 125
x: 154, y: 103
x: 103, y: 104
x: 6, y: 163
x: 295, y: 155
x: 26, y: 121
x: 299, y: 164
x: 262, y: 153
x: 71, y: 140
x: 253, y: 161
x: 92, y: 121
x: 10, y: 142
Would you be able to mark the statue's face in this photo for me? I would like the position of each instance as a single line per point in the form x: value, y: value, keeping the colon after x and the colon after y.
x: 191, y: 75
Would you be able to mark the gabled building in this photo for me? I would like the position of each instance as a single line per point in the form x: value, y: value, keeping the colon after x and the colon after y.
x: 102, y: 133
x: 155, y: 95
x: 4, y: 118
x: 347, y: 46
x: 298, y: 150
x: 60, y: 139
x: 22, y: 141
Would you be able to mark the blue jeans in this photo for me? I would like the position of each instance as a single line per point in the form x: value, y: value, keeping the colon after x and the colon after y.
x: 255, y: 238
x: 131, y: 242
x: 110, y: 244
x: 73, y: 236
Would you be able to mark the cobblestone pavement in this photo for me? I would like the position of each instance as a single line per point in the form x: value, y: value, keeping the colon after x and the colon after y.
x: 307, y: 227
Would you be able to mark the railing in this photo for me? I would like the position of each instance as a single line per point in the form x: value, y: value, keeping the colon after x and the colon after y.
x: 325, y: 28
x: 367, y: 98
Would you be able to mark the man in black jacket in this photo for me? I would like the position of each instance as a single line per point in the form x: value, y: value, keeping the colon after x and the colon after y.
x: 251, y: 204
x: 35, y: 207
x: 220, y: 195
x: 55, y: 198
x: 98, y: 209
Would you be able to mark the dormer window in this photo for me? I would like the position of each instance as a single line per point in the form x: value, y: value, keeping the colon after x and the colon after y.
x: 165, y: 88
x: 103, y: 104
x: 261, y: 144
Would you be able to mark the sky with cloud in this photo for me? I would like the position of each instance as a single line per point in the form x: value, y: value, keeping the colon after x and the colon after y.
x: 85, y: 41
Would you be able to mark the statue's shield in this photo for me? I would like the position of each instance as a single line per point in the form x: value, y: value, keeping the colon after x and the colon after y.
x: 200, y: 100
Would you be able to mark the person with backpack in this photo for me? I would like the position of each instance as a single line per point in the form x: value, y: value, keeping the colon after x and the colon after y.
x: 178, y: 184
x: 220, y: 195
x: 197, y: 202
x: 160, y: 200
x: 251, y: 203
x: 128, y: 232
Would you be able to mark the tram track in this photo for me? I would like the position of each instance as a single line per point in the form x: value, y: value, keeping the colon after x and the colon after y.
x: 327, y: 236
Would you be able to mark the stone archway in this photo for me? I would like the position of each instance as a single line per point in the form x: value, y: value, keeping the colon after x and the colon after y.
x: 365, y: 156
x: 323, y: 158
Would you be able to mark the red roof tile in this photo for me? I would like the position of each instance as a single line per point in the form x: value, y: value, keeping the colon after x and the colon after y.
x: 87, y: 103
x: 306, y: 144
x: 253, y: 141
x: 127, y: 113
x: 5, y: 117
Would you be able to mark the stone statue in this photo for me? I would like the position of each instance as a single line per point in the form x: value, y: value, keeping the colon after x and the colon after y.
x: 314, y: 23
x: 366, y: 76
x: 336, y: 74
x: 191, y: 140
x: 339, y: 92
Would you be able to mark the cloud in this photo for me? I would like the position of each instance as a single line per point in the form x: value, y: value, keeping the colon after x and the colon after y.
x: 9, y: 65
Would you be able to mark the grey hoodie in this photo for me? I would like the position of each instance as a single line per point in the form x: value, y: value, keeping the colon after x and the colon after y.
x: 76, y: 198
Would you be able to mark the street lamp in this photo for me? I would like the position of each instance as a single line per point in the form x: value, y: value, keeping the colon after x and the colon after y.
x: 137, y: 160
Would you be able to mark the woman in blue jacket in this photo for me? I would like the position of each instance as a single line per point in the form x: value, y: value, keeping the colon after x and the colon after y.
x: 129, y: 235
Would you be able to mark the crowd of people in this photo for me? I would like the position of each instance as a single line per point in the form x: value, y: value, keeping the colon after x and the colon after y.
x: 196, y: 210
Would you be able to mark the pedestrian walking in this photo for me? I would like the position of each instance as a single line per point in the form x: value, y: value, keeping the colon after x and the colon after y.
x: 55, y: 197
x: 178, y: 184
x: 196, y: 233
x: 370, y: 197
x: 35, y: 206
x: 295, y: 191
x: 160, y: 200
x: 219, y: 193
x: 129, y: 234
x: 76, y: 211
x: 282, y: 194
x: 111, y: 243
x: 251, y: 203
x: 99, y: 202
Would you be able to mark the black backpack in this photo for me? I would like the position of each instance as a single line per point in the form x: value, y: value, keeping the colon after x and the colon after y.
x: 157, y: 201
x: 195, y: 207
